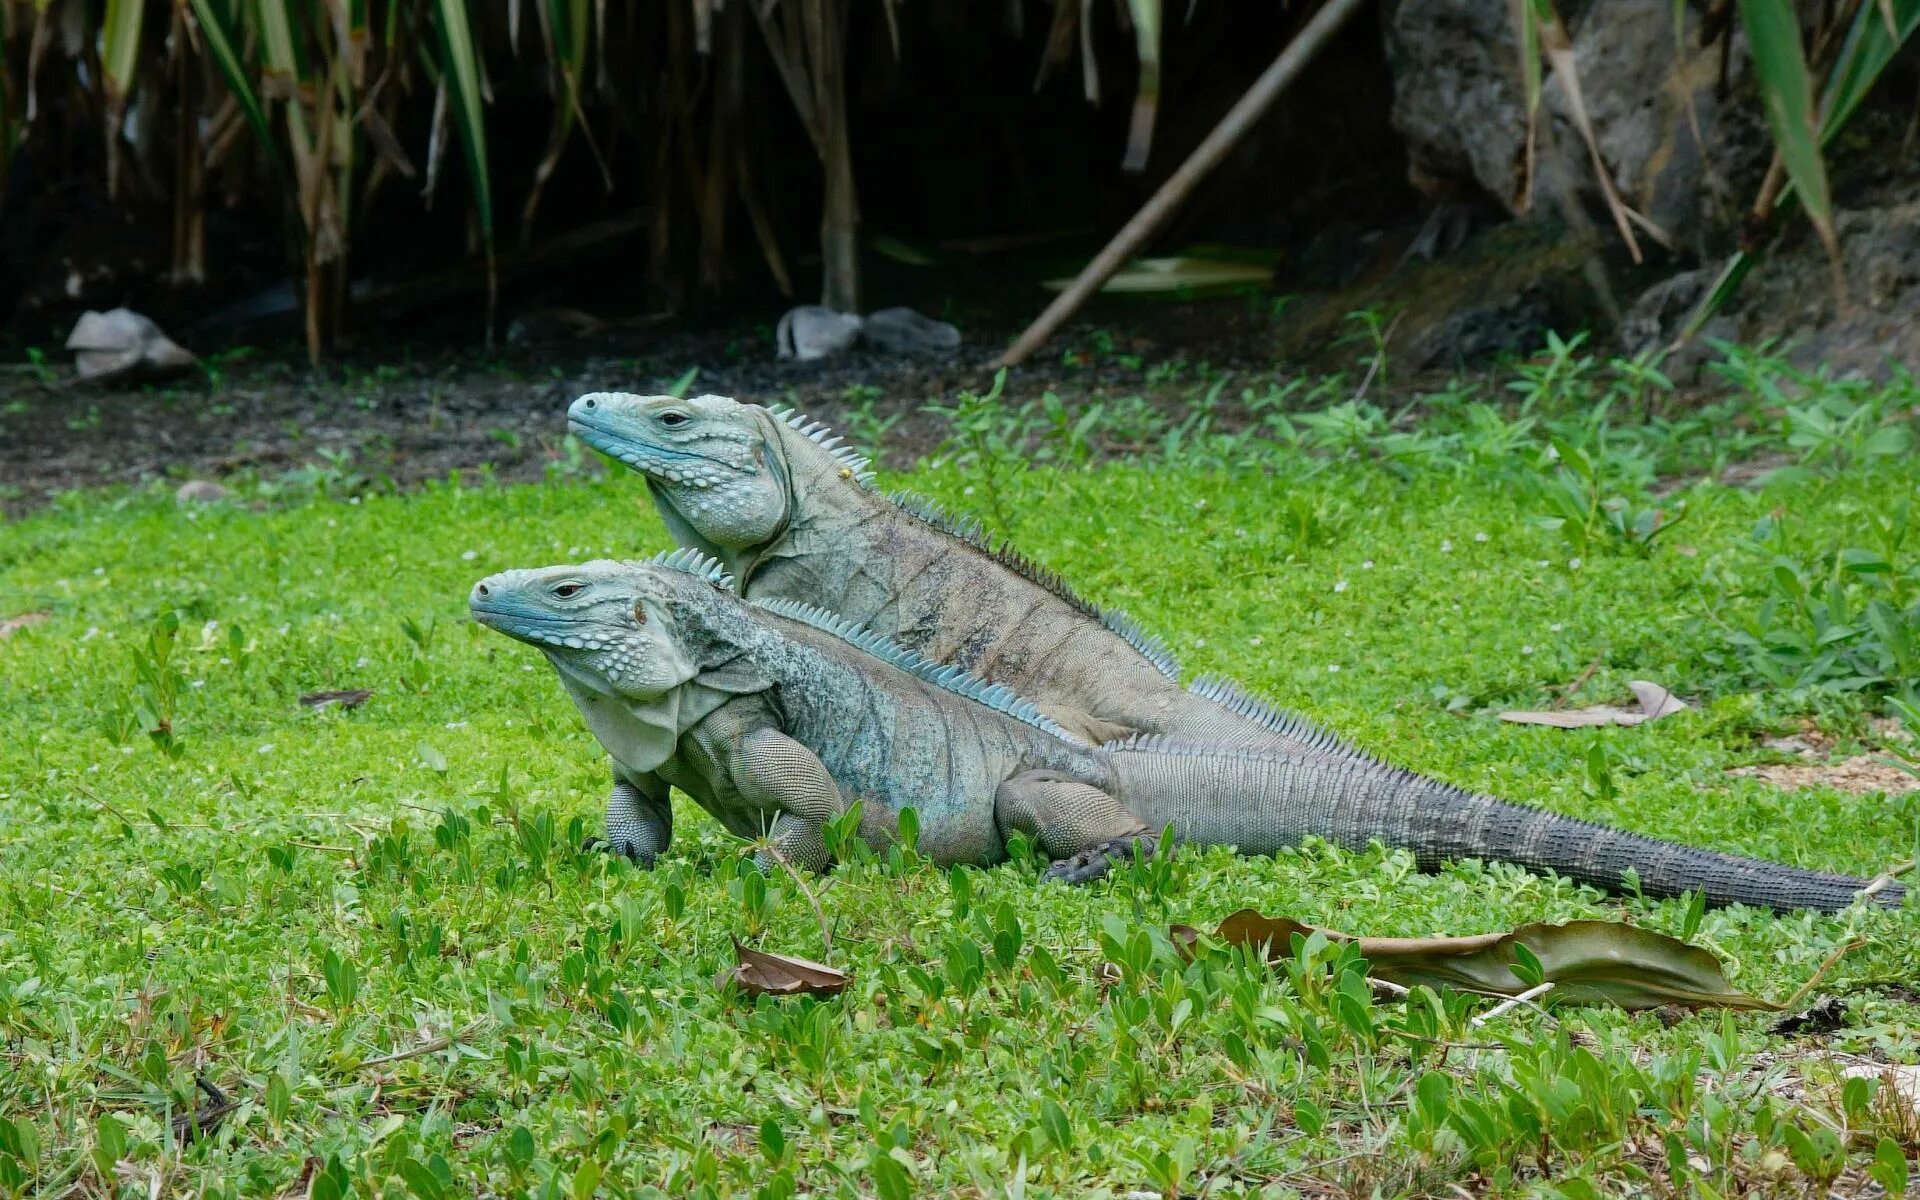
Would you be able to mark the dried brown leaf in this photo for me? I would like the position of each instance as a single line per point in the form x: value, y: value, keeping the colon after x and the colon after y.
x: 1587, y: 962
x: 12, y: 625
x: 1655, y: 702
x: 762, y: 974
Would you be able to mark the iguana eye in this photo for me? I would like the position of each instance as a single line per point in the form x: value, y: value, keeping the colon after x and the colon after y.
x: 568, y: 591
x: 670, y: 418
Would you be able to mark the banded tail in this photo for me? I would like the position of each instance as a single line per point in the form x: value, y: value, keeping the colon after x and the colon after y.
x: 1262, y: 803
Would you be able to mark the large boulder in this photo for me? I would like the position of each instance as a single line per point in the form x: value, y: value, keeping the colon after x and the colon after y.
x: 1674, y: 149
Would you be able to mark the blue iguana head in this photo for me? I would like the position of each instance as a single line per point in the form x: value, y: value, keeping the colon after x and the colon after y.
x: 631, y: 641
x: 716, y: 467
x: 606, y: 624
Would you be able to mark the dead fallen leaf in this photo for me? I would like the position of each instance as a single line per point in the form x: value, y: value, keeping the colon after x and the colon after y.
x: 12, y: 625
x: 123, y: 344
x: 1655, y: 702
x: 1587, y: 962
x: 1861, y: 775
x: 762, y: 974
x: 349, y: 698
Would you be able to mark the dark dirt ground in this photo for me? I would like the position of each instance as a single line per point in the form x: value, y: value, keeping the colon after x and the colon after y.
x: 409, y: 413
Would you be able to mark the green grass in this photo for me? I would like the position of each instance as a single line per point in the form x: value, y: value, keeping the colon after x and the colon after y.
x: 282, y: 899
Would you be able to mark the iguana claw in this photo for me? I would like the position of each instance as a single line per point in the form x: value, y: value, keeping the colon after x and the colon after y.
x: 1089, y: 865
x: 629, y: 851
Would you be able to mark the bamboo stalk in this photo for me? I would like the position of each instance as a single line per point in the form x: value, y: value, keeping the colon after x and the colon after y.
x: 1205, y: 157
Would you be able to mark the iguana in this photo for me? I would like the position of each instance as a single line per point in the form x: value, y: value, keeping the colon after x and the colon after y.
x: 774, y: 716
x: 795, y: 516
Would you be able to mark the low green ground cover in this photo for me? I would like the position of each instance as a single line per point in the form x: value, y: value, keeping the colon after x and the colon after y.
x: 371, y: 928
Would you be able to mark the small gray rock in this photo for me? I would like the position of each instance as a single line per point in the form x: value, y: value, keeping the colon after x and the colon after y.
x: 812, y: 331
x: 904, y: 331
x: 200, y: 491
x: 123, y: 344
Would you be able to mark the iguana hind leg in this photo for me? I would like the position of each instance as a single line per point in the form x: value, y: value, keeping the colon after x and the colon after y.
x: 1085, y: 830
x: 779, y: 775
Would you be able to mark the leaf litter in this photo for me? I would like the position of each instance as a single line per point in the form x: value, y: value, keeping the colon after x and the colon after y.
x: 1585, y: 962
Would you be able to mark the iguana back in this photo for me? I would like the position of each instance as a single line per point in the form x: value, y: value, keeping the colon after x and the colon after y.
x: 795, y: 516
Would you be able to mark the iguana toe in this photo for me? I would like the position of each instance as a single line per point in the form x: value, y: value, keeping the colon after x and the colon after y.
x: 1089, y: 865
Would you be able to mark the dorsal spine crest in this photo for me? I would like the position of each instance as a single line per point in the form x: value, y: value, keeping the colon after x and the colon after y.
x: 971, y: 531
x: 818, y: 433
x: 695, y: 562
x: 949, y: 677
x: 1229, y: 696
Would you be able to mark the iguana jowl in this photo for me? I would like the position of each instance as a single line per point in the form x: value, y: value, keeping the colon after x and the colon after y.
x: 775, y: 715
x: 794, y: 516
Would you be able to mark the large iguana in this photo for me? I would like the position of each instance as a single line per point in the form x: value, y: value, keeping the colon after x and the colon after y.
x: 775, y: 716
x: 794, y: 515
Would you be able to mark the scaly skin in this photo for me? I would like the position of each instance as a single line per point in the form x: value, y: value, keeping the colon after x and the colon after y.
x: 775, y: 717
x: 793, y: 517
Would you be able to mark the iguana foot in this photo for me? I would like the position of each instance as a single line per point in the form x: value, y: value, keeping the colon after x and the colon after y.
x: 1089, y: 865
x: 630, y: 851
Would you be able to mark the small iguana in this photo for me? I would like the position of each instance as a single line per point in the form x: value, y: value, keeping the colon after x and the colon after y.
x: 775, y: 716
x: 794, y: 516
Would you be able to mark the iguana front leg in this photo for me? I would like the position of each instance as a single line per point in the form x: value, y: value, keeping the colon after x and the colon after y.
x: 773, y: 772
x: 639, y: 818
x: 1085, y: 830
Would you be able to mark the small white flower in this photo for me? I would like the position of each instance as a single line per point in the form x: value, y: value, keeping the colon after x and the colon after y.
x: 1573, y: 564
x: 1333, y: 668
x: 332, y: 524
x: 1255, y: 640
x: 1199, y: 642
x: 225, y: 661
x: 198, y: 683
x: 1526, y: 649
x: 361, y: 662
x: 1367, y: 565
x: 1339, y: 585
x: 456, y: 724
x: 1543, y: 563
x: 1480, y: 537
x: 266, y: 749
x: 126, y: 749
x: 1446, y: 546
x: 526, y: 667
x: 93, y: 631
x: 967, y: 490
x: 353, y: 499
x: 1239, y: 533
x: 99, y: 570
x: 1198, y: 505
x: 1554, y: 628
x: 469, y: 555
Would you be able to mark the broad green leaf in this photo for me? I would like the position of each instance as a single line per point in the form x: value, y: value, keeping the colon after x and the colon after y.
x: 1146, y: 98
x: 218, y: 36
x: 460, y: 64
x: 120, y: 46
x: 1786, y: 90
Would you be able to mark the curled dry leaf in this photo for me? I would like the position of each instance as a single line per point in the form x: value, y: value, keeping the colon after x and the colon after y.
x: 1588, y: 962
x: 12, y: 625
x: 347, y: 698
x: 1655, y: 702
x: 762, y: 974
